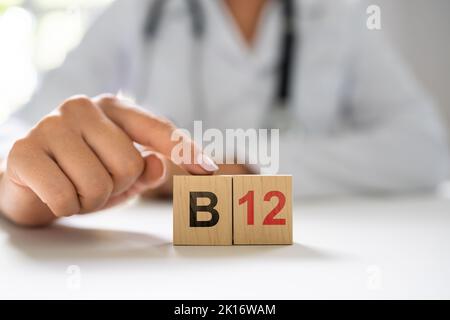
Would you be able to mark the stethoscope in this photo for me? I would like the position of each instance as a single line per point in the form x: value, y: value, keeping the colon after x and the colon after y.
x: 288, y: 45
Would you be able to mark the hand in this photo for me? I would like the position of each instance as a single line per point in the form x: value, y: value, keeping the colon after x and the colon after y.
x: 82, y: 158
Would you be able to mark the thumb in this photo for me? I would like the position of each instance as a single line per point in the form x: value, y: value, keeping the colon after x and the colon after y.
x: 155, y: 172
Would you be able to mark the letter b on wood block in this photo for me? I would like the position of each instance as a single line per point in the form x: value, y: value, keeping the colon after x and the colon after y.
x: 202, y: 210
x: 262, y: 209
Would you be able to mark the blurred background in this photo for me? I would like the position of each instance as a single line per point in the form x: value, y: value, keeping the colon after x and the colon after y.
x: 35, y: 36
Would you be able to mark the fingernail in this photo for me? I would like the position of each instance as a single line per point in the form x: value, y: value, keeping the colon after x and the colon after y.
x: 207, y: 163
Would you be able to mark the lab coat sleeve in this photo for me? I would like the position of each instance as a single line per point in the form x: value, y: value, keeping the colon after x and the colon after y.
x: 94, y: 67
x: 395, y: 141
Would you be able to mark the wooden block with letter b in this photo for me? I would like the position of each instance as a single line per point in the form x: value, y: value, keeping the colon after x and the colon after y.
x: 202, y: 210
x: 262, y: 210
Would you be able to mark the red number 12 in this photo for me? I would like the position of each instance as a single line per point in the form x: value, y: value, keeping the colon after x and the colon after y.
x: 270, y: 218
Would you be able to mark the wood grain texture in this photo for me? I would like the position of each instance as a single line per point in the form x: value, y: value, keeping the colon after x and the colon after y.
x: 255, y: 232
x: 219, y: 234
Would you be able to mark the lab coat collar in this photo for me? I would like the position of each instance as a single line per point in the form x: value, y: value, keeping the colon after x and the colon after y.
x: 225, y: 36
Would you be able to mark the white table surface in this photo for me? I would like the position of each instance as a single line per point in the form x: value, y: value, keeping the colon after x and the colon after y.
x: 344, y: 248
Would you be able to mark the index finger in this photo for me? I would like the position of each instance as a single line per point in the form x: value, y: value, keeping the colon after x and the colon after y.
x: 155, y: 132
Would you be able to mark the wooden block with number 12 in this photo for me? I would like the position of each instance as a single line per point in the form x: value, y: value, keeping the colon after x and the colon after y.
x: 262, y: 210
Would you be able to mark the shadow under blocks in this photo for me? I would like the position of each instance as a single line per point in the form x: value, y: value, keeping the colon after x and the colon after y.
x: 232, y: 210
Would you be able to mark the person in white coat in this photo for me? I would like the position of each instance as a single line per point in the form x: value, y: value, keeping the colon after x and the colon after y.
x: 358, y: 121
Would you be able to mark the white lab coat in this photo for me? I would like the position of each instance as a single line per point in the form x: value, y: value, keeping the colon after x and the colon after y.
x: 362, y: 123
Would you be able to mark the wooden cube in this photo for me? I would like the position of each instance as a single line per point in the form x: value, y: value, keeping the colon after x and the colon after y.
x: 262, y: 210
x: 202, y: 210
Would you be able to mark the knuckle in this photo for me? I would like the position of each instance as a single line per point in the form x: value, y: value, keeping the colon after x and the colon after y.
x: 76, y: 104
x: 19, y: 147
x: 163, y: 125
x: 106, y: 99
x: 166, y: 124
x: 20, y: 150
x: 50, y: 125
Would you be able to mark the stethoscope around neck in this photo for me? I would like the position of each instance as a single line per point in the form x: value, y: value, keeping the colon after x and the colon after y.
x: 198, y: 24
